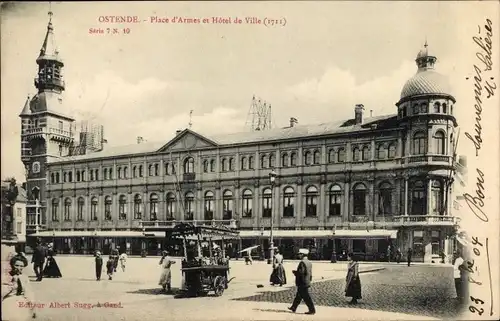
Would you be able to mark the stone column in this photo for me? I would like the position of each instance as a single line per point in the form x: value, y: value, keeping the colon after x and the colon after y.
x: 218, y: 208
x: 399, y: 148
x: 346, y: 208
x: 299, y: 211
x: 322, y: 206
x: 429, y: 197
x: 199, y: 210
x: 406, y: 195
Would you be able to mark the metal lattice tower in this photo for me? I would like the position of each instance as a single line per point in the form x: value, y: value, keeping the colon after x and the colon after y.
x: 259, y: 116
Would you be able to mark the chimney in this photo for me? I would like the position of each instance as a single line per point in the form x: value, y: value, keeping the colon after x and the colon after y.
x: 358, y: 113
x: 293, y: 121
x: 177, y: 132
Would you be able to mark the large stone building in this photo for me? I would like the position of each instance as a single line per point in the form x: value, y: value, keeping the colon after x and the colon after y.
x: 359, y: 185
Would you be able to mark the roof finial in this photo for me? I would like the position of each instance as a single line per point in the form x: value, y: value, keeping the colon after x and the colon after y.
x: 425, y: 45
x: 190, y: 118
x: 50, y: 12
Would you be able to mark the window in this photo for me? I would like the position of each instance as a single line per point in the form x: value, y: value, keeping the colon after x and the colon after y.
x: 170, y: 206
x: 137, y: 207
x: 105, y: 174
x: 61, y: 125
x: 189, y: 165
x: 250, y: 162
x: 419, y: 143
x: 355, y: 154
x: 331, y: 156
x: 188, y: 206
x: 435, y: 241
x: 52, y: 178
x: 67, y: 209
x: 55, y: 210
x: 167, y: 169
x: 445, y: 109
x: 247, y: 203
x: 308, y: 158
x: 141, y: 173
x: 284, y: 160
x: 19, y: 227
x: 418, y: 199
x: 418, y: 240
x: 65, y: 177
x: 157, y: 170
x: 267, y: 203
x: 93, y: 208
x: 151, y: 170
x: 359, y: 199
x: 424, y: 108
x: 293, y: 159
x: 107, y: 208
x: 437, y: 107
x: 311, y: 201
x: 272, y: 162
x: 125, y: 172
x: 335, y: 200
x: 385, y: 199
x: 439, y: 143
x: 437, y: 198
x: 119, y: 173
x: 366, y: 153
x: 341, y: 155
x: 205, y: 166
x: 97, y: 174
x: 80, y: 207
x: 209, y: 206
x: 122, y: 207
x: 231, y: 164
x: 153, y: 207
x: 288, y: 202
x: 57, y: 177
x: 172, y: 169
x: 316, y: 157
x: 223, y: 165
x: 263, y: 161
x: 392, y: 150
x: 243, y: 163
x: 227, y: 204
x: 110, y: 173
x: 416, y: 109
x: 212, y: 165
x: 381, y: 151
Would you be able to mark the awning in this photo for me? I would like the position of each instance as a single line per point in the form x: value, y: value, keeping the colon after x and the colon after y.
x: 362, y: 234
x: 380, y: 234
x: 98, y: 234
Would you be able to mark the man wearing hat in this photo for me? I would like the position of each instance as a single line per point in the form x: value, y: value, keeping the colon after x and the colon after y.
x: 303, y: 278
x: 98, y: 266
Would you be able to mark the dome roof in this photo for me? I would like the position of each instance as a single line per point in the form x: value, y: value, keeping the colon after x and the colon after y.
x: 425, y: 82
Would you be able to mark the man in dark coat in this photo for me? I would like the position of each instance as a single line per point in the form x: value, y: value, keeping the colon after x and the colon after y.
x: 303, y: 278
x: 38, y: 260
x: 408, y: 256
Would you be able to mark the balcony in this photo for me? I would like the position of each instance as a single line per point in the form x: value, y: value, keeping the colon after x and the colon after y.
x: 419, y: 220
x: 170, y: 224
x: 428, y: 159
x: 188, y: 177
x: 61, y: 132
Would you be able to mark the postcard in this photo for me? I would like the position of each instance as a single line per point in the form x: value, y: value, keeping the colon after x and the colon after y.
x: 270, y: 160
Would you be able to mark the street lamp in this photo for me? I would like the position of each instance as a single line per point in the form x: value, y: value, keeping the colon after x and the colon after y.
x: 272, y: 180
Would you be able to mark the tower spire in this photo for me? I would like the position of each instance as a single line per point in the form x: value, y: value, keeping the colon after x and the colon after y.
x: 425, y: 60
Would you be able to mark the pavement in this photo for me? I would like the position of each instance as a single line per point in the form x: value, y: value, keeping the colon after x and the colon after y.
x: 390, y: 292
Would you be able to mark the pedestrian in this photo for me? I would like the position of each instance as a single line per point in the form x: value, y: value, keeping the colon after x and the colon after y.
x: 352, y: 281
x: 248, y: 257
x: 459, y: 276
x: 278, y: 276
x: 408, y: 255
x: 398, y: 255
x: 115, y: 255
x: 51, y: 268
x: 98, y: 266
x: 110, y: 267
x: 303, y: 278
x: 389, y: 254
x: 18, y: 292
x: 123, y: 261
x: 166, y: 275
x: 38, y: 260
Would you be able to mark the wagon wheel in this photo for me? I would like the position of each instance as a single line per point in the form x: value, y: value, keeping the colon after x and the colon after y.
x: 219, y: 285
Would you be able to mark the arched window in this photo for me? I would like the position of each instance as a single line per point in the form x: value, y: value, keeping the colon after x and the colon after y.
x: 231, y: 164
x: 57, y: 178
x: 341, y: 155
x: 243, y: 163
x: 205, y: 166
x: 141, y: 173
x: 293, y: 159
x: 137, y: 207
x: 439, y: 143
x: 418, y: 199
x: 55, y: 210
x: 93, y: 208
x: 157, y: 169
x: 79, y: 210
x: 331, y: 156
x: 189, y: 206
x: 437, y: 198
x: 308, y: 158
x: 437, y: 107
x: 209, y: 206
x: 416, y: 109
x: 78, y: 177
x: 173, y: 169
x: 125, y: 172
x: 91, y: 172
x: 53, y: 180
x: 267, y: 203
x: 170, y: 206
x: 355, y: 154
x: 385, y: 199
x: 227, y: 205
x: 381, y: 151
x: 83, y: 176
x: 366, y: 153
x: 105, y: 174
x: 122, y: 207
x: 424, y: 108
x: 212, y: 165
x: 316, y: 157
x: 65, y: 177
x: 263, y: 161
x: 119, y: 173
x: 189, y: 165
x: 110, y: 173
x: 445, y: 109
x: 288, y: 202
x: 151, y: 170
x: 97, y: 174
x: 311, y: 201
x: 251, y: 163
x: 419, y: 143
x: 272, y: 162
x: 107, y: 208
x: 223, y: 165
x: 247, y: 203
x: 67, y: 209
x: 359, y: 199
x: 392, y: 150
x: 335, y: 196
x: 153, y: 207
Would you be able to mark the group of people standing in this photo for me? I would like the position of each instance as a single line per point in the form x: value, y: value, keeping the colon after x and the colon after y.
x: 111, y: 263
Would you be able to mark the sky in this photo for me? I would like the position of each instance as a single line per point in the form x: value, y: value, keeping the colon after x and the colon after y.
x: 328, y: 57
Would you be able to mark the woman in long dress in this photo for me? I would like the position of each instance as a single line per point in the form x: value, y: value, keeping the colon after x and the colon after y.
x: 51, y: 268
x: 166, y: 275
x: 278, y: 276
x: 353, y: 283
x: 16, y: 290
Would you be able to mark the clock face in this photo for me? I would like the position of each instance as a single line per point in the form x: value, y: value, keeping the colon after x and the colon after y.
x: 36, y: 167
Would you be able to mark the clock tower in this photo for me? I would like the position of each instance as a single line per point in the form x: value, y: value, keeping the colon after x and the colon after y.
x: 46, y: 128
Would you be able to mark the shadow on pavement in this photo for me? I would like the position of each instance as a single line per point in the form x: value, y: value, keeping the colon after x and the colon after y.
x: 273, y: 310
x: 156, y: 291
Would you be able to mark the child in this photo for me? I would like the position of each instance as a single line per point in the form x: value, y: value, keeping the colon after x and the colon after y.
x: 110, y: 267
x: 98, y: 266
x: 123, y: 260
